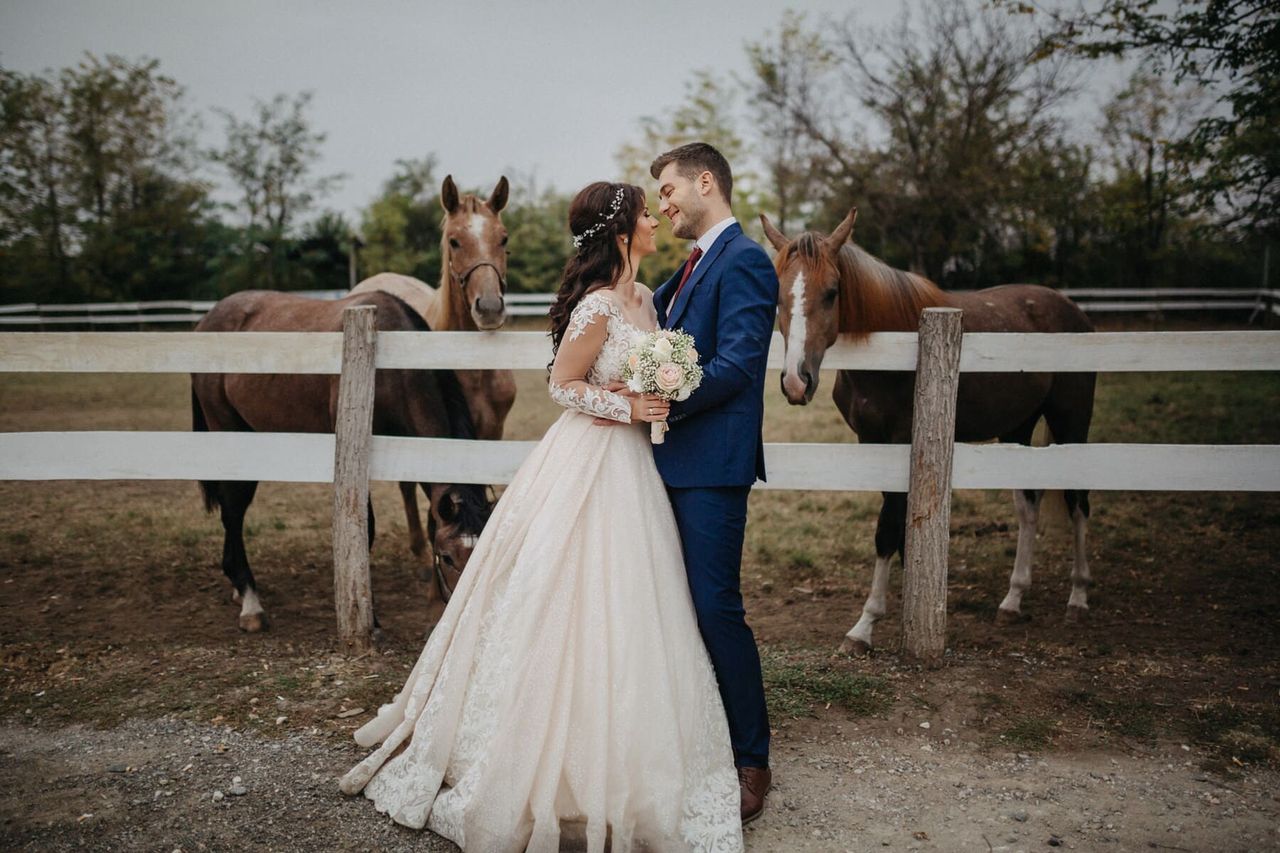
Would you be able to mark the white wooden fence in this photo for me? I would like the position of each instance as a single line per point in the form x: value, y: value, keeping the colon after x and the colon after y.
x: 311, y: 457
x: 1103, y: 300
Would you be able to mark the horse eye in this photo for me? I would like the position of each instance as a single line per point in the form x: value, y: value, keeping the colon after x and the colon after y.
x: 504, y: 241
x: 454, y: 243
x: 830, y: 296
x: 447, y: 560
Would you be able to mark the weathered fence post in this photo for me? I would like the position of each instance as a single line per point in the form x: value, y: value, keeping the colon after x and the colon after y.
x: 353, y: 428
x: 933, y: 430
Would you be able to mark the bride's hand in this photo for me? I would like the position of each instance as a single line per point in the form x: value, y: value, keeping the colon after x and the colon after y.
x: 649, y: 407
x: 620, y: 388
x: 617, y: 388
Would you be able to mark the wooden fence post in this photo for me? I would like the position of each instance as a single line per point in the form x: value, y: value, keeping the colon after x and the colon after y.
x: 933, y: 431
x: 353, y: 429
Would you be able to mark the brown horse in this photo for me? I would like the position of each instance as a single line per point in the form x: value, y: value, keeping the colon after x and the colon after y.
x: 831, y: 287
x: 473, y: 282
x: 406, y: 402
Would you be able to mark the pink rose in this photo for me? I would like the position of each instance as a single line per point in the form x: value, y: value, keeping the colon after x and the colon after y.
x: 669, y: 377
x: 634, y: 362
x: 693, y: 355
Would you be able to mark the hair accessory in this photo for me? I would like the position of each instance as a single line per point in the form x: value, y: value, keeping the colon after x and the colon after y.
x: 614, y: 207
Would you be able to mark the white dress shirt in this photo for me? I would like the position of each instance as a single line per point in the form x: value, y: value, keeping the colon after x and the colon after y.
x: 705, y: 241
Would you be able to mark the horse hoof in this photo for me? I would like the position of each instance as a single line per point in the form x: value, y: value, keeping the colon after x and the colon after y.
x: 1077, y: 614
x: 856, y: 648
x: 235, y: 596
x: 253, y: 623
x: 1009, y: 617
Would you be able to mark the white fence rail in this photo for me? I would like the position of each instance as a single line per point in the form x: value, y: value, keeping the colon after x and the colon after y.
x: 189, y: 312
x: 310, y: 457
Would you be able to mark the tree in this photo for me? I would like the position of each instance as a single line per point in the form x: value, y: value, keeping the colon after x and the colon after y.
x: 401, y: 228
x: 1231, y: 47
x: 536, y: 221
x: 95, y: 193
x: 35, y: 200
x: 953, y: 107
x: 788, y: 73
x: 270, y: 158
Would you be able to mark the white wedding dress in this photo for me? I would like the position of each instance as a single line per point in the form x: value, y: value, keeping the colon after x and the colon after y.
x: 566, y: 696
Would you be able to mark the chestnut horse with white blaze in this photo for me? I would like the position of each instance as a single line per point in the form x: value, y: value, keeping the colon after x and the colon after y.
x: 831, y: 287
x: 470, y: 297
x: 406, y: 403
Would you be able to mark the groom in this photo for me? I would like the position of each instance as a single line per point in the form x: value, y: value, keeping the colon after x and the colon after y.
x: 726, y: 296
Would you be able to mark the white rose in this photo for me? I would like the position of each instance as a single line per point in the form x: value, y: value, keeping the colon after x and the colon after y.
x: 669, y: 377
x: 662, y: 349
x: 683, y: 393
x: 636, y: 384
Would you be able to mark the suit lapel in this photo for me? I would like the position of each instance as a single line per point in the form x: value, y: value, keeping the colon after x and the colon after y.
x: 682, y: 301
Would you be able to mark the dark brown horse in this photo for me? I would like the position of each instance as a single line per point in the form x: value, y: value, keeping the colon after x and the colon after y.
x: 406, y: 402
x: 830, y: 287
x: 471, y: 297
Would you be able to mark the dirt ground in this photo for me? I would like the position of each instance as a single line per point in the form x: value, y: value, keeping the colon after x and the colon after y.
x: 131, y: 701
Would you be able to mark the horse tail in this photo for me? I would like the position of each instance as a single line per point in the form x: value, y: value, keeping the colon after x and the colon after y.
x: 1054, y: 514
x: 208, y: 489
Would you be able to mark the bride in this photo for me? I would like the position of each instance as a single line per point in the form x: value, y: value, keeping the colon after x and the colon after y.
x: 566, y: 693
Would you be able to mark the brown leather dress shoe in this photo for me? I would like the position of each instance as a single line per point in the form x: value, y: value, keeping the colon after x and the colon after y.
x: 753, y: 784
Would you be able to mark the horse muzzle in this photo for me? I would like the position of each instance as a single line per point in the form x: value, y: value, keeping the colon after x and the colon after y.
x: 798, y: 385
x: 489, y: 312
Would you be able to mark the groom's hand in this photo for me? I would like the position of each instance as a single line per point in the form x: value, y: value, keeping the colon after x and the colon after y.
x: 617, y: 388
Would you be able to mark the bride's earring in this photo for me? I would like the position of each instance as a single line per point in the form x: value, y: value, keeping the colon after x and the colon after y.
x: 626, y: 240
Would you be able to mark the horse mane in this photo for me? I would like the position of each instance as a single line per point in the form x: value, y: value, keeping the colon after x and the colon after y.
x: 461, y: 424
x: 473, y: 506
x: 875, y: 297
x: 450, y: 319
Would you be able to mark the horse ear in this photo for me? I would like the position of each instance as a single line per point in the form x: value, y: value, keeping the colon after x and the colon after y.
x: 448, y: 507
x: 776, y: 237
x: 498, y: 198
x: 449, y: 195
x: 845, y: 229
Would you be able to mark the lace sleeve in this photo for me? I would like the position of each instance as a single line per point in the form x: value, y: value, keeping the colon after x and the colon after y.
x: 583, y: 339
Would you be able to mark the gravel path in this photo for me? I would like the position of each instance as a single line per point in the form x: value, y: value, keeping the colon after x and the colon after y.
x: 175, y: 785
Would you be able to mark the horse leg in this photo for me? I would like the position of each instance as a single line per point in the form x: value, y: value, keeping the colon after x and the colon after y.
x: 1078, y: 507
x: 1068, y: 413
x: 891, y: 535
x: 234, y: 498
x: 376, y: 627
x: 1026, y: 502
x: 417, y: 542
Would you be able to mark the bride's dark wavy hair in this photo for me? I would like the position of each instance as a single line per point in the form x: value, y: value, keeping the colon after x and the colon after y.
x: 598, y: 262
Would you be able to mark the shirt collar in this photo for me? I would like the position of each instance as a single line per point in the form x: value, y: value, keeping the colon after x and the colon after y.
x: 705, y: 241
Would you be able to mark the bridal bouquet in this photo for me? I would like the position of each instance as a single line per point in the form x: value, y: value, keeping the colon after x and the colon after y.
x: 664, y: 363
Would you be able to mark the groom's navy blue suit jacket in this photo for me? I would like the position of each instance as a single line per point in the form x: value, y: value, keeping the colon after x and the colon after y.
x: 728, y: 305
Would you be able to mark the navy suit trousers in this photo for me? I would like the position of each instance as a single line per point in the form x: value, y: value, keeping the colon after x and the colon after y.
x: 712, y: 522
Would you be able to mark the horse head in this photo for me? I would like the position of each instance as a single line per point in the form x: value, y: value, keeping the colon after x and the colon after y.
x: 457, y: 516
x: 475, y: 252
x: 808, y: 302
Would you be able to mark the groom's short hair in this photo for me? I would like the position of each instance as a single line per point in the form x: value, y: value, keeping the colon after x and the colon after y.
x: 692, y: 160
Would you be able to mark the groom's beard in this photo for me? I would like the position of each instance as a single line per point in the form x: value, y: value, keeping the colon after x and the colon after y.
x: 692, y: 224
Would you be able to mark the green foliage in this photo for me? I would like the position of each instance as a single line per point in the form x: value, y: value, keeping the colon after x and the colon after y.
x: 270, y: 158
x: 401, y: 228
x: 1231, y: 47
x: 536, y: 221
x: 956, y: 150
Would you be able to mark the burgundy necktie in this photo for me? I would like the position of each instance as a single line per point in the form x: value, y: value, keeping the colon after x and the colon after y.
x: 688, y: 271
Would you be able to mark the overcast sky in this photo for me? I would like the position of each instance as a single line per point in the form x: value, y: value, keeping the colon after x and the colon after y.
x: 535, y: 87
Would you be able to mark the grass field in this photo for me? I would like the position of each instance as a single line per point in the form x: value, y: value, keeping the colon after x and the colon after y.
x: 114, y: 604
